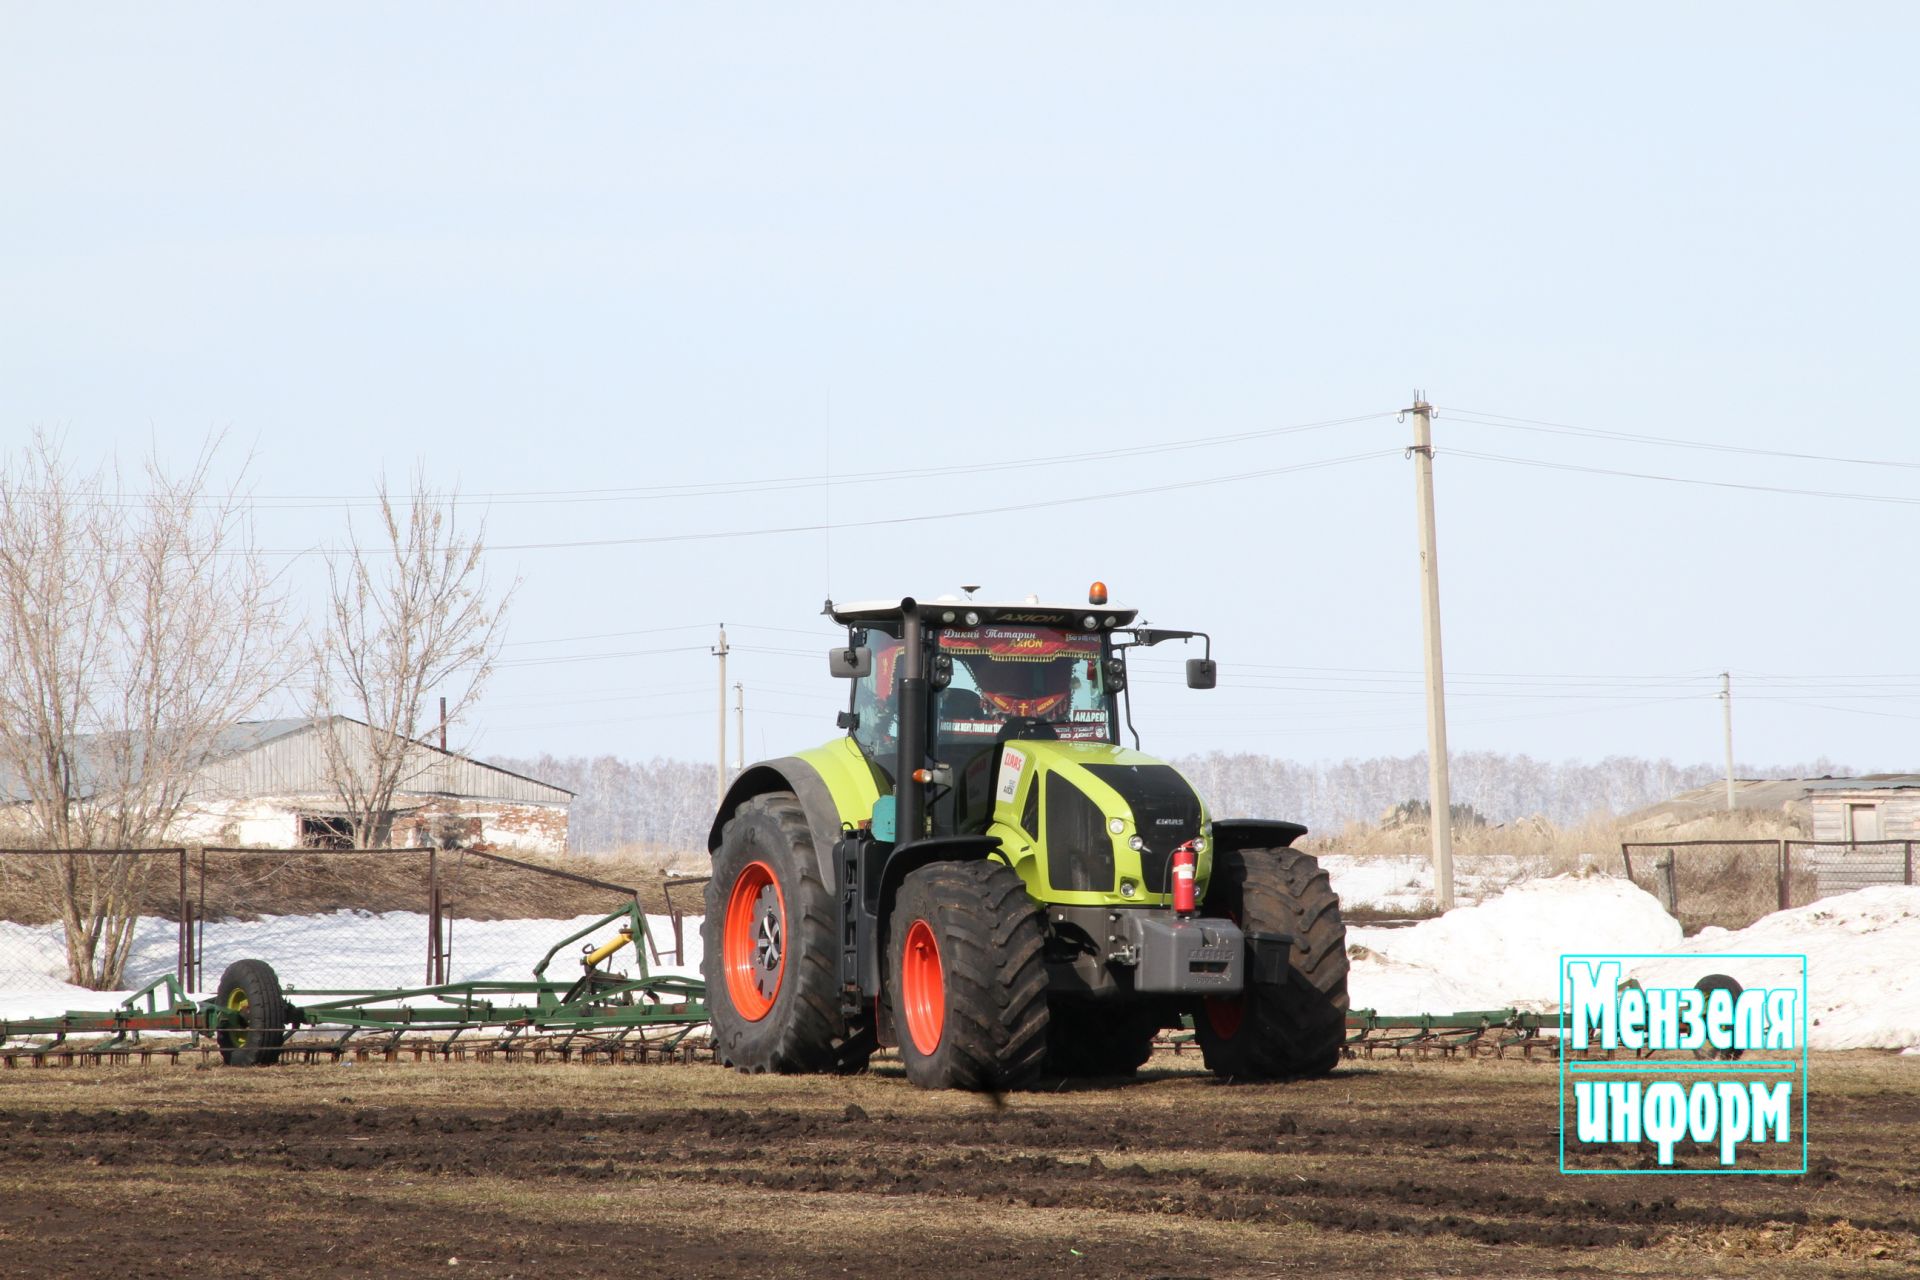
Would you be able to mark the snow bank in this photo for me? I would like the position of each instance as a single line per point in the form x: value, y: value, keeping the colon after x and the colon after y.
x: 1404, y: 882
x: 1504, y: 952
x: 1862, y: 950
x: 356, y: 949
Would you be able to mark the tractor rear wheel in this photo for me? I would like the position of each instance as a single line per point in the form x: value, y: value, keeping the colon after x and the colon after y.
x: 1099, y: 1040
x: 965, y: 978
x: 253, y: 1015
x: 1297, y: 1027
x: 768, y: 947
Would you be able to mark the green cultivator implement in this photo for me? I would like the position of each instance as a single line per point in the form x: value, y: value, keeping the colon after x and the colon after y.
x: 253, y: 1021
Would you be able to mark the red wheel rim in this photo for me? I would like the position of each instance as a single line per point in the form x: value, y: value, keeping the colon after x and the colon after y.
x: 923, y: 988
x: 1225, y: 1014
x: 753, y: 941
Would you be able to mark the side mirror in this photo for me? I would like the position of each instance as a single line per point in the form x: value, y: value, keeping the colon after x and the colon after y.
x: 1202, y: 673
x: 850, y: 664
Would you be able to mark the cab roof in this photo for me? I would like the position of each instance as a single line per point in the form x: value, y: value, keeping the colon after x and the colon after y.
x: 949, y: 610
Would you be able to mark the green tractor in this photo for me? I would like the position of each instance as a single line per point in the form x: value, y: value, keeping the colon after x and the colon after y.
x: 982, y: 874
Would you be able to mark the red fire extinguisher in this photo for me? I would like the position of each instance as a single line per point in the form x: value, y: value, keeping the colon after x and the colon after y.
x: 1186, y: 860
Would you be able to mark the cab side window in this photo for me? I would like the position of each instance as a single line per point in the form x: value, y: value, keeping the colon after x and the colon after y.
x: 876, y: 701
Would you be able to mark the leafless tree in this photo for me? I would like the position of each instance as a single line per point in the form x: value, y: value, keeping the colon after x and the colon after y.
x: 135, y: 630
x: 408, y: 613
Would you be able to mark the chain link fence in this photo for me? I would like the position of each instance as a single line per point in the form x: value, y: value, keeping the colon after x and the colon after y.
x: 325, y: 919
x: 1841, y: 866
x: 500, y: 917
x: 130, y: 898
x: 1732, y: 883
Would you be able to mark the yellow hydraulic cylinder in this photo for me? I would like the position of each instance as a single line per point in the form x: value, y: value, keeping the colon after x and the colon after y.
x: 594, y: 957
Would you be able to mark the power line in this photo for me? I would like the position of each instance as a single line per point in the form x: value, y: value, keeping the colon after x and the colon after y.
x: 1508, y: 422
x: 1041, y: 504
x: 1891, y: 499
x: 609, y: 635
x: 773, y: 484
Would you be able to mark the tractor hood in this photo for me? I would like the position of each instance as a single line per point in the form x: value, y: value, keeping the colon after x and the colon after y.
x: 1094, y: 823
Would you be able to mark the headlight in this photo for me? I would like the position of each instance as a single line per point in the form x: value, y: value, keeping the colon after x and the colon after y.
x: 1199, y: 844
x: 1136, y: 844
x: 1116, y: 825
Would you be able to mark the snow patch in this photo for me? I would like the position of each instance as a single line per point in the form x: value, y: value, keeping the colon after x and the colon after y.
x: 1404, y: 883
x: 1505, y: 952
x: 351, y: 949
x: 1862, y: 950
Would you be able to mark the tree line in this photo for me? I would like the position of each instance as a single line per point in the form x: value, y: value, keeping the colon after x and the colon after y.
x: 668, y: 804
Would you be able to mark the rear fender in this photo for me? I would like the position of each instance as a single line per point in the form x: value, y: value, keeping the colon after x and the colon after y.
x: 829, y: 808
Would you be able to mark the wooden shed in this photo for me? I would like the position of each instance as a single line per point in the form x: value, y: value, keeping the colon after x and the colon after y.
x: 1882, y: 807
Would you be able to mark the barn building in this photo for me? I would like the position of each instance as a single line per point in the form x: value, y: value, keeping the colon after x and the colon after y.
x: 268, y: 784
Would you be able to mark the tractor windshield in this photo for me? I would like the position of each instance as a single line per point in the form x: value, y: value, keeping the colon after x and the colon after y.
x: 1053, y: 680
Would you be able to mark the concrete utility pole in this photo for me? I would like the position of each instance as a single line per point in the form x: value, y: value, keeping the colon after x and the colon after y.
x: 1439, y: 794
x: 739, y: 727
x: 1726, y: 704
x: 720, y: 753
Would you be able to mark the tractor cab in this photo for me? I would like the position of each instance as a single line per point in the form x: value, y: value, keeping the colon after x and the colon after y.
x: 995, y: 673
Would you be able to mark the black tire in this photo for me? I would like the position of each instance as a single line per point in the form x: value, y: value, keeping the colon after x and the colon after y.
x: 800, y: 1028
x: 988, y: 1028
x: 1296, y: 1028
x: 1099, y: 1040
x: 1706, y: 987
x: 256, y: 1023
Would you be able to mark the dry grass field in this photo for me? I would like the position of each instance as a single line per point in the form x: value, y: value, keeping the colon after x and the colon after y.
x: 1383, y: 1169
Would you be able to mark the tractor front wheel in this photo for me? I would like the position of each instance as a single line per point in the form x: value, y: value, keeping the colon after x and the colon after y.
x: 965, y: 979
x: 1296, y: 1027
x: 768, y: 947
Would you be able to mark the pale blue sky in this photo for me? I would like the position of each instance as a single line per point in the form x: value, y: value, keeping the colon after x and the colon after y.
x: 598, y: 247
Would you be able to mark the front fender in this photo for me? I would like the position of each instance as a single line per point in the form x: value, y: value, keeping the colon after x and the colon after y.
x: 908, y: 858
x: 1254, y: 833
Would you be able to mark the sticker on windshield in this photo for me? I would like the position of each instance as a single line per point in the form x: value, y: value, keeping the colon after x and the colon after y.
x: 1013, y: 763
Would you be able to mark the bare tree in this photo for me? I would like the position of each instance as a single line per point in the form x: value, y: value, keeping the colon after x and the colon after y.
x: 408, y: 613
x: 137, y: 629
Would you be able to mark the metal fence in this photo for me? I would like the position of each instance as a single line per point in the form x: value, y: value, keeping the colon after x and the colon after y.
x: 326, y: 918
x: 1732, y: 883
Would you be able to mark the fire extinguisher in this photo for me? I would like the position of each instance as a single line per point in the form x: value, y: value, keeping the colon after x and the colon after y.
x: 1186, y: 861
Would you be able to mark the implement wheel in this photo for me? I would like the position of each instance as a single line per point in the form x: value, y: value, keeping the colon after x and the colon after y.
x: 1099, y: 1040
x: 253, y: 1015
x: 768, y: 947
x: 965, y: 978
x: 1294, y: 1028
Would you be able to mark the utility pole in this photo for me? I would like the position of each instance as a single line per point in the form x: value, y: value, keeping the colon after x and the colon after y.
x: 1439, y: 794
x: 443, y: 722
x: 720, y: 756
x: 739, y: 728
x: 1726, y: 705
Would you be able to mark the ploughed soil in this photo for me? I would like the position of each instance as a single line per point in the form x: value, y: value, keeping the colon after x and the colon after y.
x: 1384, y: 1168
